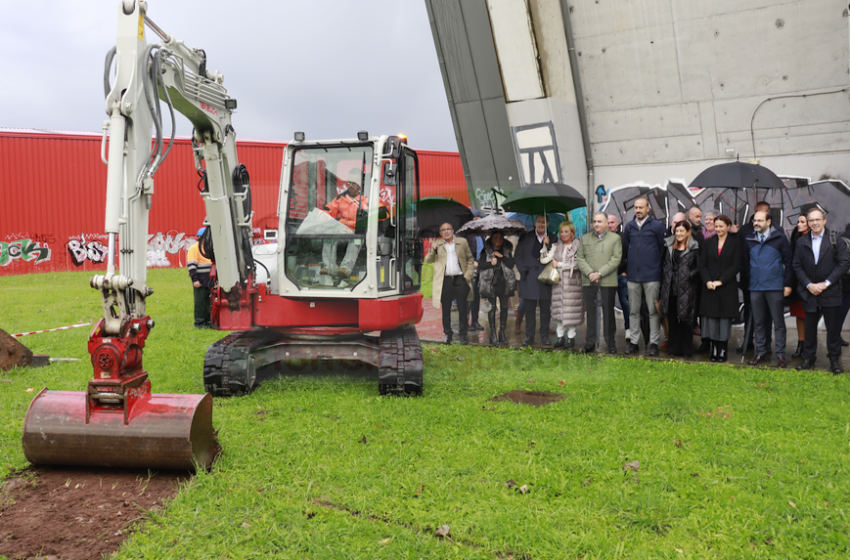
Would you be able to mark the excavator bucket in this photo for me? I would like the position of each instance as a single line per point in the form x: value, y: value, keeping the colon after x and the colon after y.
x: 161, y: 431
x: 13, y: 353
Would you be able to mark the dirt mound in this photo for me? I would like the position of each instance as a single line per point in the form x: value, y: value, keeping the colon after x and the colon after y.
x: 77, y: 514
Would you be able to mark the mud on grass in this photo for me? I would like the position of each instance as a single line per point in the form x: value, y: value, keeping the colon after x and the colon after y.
x: 78, y: 513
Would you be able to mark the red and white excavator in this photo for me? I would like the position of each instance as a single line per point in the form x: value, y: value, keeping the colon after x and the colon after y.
x: 338, y: 292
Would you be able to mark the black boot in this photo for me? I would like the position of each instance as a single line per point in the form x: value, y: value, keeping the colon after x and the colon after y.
x: 712, y: 346
x: 560, y: 343
x: 491, y: 317
x: 799, y: 352
x: 721, y: 353
x: 569, y: 344
x: 503, y: 324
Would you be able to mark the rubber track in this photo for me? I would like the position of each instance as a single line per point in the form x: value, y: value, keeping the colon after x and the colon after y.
x: 400, y: 370
x: 226, y: 363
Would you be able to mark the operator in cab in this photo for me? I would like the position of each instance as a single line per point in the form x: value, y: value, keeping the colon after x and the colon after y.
x: 350, y: 209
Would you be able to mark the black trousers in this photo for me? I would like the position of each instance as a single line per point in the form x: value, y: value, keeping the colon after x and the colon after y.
x: 475, y: 304
x: 680, y: 334
x: 531, y: 319
x: 832, y: 318
x: 203, y: 306
x: 455, y: 288
x: 607, y: 315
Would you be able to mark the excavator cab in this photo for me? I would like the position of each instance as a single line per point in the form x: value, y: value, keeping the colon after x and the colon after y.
x: 340, y: 293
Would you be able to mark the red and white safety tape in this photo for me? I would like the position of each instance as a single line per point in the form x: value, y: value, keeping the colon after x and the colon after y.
x: 56, y: 329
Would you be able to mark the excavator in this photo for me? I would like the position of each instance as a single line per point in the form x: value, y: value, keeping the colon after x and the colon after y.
x: 339, y: 289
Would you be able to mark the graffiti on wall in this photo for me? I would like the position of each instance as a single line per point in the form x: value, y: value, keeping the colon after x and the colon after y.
x: 798, y: 196
x: 160, y: 245
x: 26, y: 250
x: 87, y: 248
x: 537, y: 153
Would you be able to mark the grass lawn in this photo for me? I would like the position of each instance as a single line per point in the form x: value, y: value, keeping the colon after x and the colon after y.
x: 733, y: 463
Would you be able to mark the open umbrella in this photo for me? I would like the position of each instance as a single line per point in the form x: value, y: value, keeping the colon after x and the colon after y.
x: 543, y: 198
x: 737, y: 175
x: 492, y: 224
x: 434, y: 211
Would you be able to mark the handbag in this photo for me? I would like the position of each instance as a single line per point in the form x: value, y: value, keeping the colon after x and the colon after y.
x: 550, y: 275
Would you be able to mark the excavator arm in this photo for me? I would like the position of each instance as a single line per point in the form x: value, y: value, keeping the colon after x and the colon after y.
x: 117, y: 421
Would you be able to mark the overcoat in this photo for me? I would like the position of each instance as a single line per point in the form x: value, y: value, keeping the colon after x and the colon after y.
x: 831, y: 266
x: 567, y: 297
x: 721, y: 302
x: 528, y: 263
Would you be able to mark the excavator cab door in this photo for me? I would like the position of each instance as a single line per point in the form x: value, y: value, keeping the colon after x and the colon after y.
x: 410, y: 242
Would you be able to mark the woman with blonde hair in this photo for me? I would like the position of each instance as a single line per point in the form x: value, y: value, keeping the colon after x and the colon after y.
x: 567, y: 300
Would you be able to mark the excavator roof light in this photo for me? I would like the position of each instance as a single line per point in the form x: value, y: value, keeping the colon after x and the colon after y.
x: 403, y: 138
x: 362, y: 135
x: 300, y: 136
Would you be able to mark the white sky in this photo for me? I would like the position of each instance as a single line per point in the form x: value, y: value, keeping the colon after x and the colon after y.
x: 326, y: 67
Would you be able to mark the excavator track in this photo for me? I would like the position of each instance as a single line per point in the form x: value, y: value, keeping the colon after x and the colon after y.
x: 238, y: 363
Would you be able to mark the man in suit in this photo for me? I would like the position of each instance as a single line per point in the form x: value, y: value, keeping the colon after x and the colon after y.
x: 767, y: 258
x: 531, y: 247
x: 819, y: 267
x: 643, y: 243
x: 453, y: 270
x: 598, y: 257
x: 622, y: 284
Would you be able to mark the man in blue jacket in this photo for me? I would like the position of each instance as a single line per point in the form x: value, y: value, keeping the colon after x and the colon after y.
x: 768, y: 256
x: 643, y: 243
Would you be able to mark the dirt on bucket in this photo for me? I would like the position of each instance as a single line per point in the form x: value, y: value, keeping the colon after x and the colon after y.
x: 76, y: 513
x: 534, y: 398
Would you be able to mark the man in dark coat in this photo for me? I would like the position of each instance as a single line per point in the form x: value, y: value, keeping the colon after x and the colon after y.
x: 819, y: 267
x: 695, y: 217
x: 643, y: 246
x: 767, y: 258
x: 531, y: 290
x: 743, y: 233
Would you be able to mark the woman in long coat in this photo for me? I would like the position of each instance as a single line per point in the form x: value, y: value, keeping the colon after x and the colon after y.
x: 567, y: 299
x: 496, y: 279
x: 719, y: 263
x: 680, y: 287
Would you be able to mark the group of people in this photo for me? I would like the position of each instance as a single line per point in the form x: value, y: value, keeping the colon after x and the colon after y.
x: 683, y: 280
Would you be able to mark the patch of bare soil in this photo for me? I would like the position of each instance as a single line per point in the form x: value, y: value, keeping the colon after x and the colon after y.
x: 78, y: 514
x: 534, y: 398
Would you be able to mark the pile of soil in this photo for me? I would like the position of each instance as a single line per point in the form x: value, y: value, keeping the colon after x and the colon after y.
x: 76, y: 513
x: 534, y: 398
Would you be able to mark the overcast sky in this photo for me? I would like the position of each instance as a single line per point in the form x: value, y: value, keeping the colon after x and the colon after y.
x: 325, y: 67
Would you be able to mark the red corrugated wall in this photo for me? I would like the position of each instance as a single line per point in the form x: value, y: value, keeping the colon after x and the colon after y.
x: 52, y: 198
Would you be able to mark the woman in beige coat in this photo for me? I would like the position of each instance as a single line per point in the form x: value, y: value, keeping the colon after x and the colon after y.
x: 567, y: 300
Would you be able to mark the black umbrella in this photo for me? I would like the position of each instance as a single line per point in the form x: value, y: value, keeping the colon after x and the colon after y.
x: 543, y: 198
x: 737, y: 175
x: 434, y: 211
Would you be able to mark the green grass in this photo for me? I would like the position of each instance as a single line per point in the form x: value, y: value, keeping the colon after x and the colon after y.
x: 734, y: 463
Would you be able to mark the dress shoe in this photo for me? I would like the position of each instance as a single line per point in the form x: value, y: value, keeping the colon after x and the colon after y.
x: 844, y: 343
x: 664, y: 345
x: 569, y: 344
x: 527, y: 342
x: 781, y: 362
x: 807, y: 363
x: 835, y: 366
x: 632, y: 349
x: 758, y: 359
x: 544, y: 340
x: 799, y: 352
x: 475, y: 326
x: 463, y: 341
x: 560, y: 342
x: 587, y: 350
x: 653, y: 349
x: 612, y: 349
x: 447, y: 339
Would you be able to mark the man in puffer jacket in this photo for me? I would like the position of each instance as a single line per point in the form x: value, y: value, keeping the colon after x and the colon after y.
x: 768, y: 256
x: 643, y: 246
